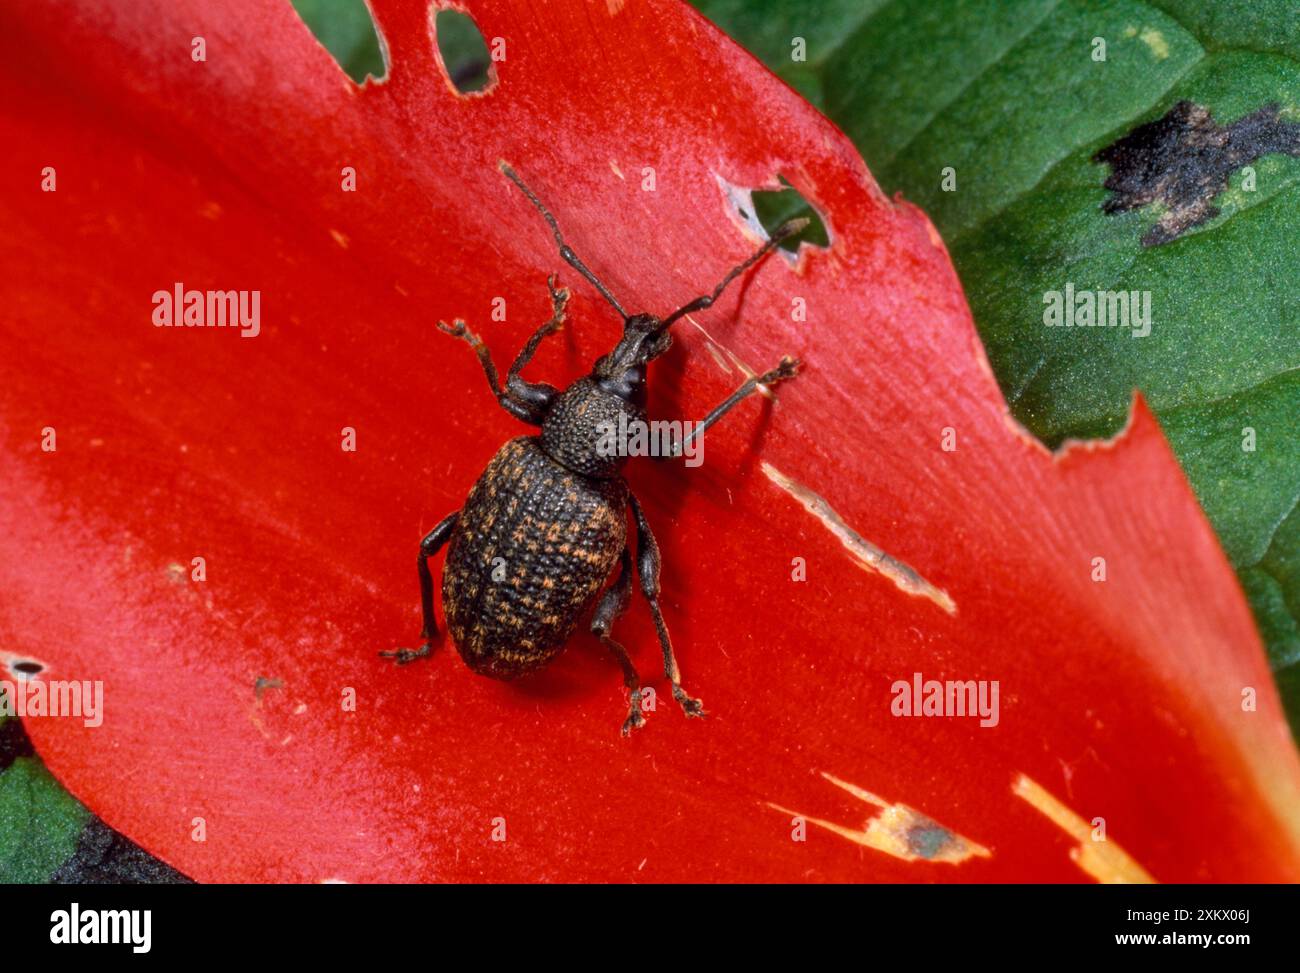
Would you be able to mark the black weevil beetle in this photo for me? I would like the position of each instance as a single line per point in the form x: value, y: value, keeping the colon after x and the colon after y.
x: 544, y: 525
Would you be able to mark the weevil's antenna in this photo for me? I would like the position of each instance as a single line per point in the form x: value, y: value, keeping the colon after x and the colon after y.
x: 786, y: 229
x: 565, y: 250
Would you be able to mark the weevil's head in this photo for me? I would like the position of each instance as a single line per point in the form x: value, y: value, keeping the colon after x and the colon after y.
x: 623, y: 370
x: 586, y: 426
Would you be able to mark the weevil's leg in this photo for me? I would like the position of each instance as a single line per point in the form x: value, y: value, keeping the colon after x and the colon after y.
x: 788, y: 368
x: 430, y: 546
x: 432, y: 543
x: 518, y: 408
x: 647, y: 553
x: 612, y: 604
x: 538, y: 395
x: 789, y: 228
x: 559, y: 298
x: 457, y: 329
x: 565, y: 250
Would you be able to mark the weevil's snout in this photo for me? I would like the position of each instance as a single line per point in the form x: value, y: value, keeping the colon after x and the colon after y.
x: 652, y: 338
x: 646, y: 336
x: 655, y: 344
x: 642, y: 341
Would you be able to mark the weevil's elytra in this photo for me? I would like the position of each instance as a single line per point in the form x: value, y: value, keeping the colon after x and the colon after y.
x: 546, y: 524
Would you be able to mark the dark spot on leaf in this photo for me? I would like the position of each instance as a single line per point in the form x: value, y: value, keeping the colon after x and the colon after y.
x: 13, y: 742
x: 104, y: 857
x: 1184, y: 160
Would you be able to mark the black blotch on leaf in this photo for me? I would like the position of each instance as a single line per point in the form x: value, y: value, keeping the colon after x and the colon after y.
x: 105, y: 857
x: 1185, y: 159
x: 13, y: 742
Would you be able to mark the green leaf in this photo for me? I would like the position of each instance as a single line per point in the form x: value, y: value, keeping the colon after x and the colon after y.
x: 40, y: 823
x: 463, y: 50
x: 346, y: 30
x: 771, y: 30
x: 1006, y: 94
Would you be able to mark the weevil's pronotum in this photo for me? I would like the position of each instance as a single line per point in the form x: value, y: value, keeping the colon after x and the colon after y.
x: 545, y: 525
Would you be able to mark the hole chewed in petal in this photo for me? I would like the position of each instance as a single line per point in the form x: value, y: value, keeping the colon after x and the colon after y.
x: 463, y: 52
x: 346, y: 29
x: 766, y: 209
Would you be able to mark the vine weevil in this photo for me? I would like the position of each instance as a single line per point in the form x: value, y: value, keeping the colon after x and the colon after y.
x: 543, y: 527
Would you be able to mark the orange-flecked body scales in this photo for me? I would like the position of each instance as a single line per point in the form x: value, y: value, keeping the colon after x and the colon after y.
x: 533, y: 547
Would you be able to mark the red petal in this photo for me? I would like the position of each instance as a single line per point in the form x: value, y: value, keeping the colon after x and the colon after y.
x: 1122, y: 699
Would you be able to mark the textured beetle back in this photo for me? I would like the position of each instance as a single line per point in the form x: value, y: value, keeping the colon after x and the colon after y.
x: 574, y: 429
x: 551, y: 536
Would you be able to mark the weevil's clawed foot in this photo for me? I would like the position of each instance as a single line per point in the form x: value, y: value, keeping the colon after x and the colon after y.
x: 559, y: 299
x: 456, y: 329
x: 790, y: 227
x: 634, y: 721
x: 788, y: 368
x: 690, y: 705
x: 403, y: 657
